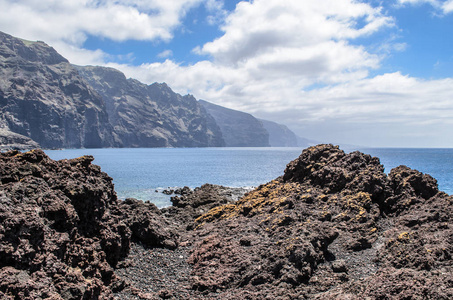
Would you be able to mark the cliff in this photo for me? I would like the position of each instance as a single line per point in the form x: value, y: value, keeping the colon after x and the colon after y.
x: 46, y: 101
x: 151, y: 115
x: 334, y: 226
x: 43, y: 98
x: 239, y: 129
x: 279, y: 135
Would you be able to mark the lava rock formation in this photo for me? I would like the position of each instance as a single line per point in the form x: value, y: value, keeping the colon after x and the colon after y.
x: 334, y: 226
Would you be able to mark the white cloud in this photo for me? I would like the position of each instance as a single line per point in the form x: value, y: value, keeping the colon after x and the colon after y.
x: 67, y: 24
x: 446, y: 6
x: 386, y: 110
x: 291, y: 61
x: 216, y: 10
x: 165, y: 54
x: 259, y: 26
x: 272, y: 53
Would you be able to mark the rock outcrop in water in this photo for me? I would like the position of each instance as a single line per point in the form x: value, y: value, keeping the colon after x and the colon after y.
x: 334, y: 226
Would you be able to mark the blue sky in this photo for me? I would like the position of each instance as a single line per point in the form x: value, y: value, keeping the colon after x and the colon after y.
x: 372, y: 73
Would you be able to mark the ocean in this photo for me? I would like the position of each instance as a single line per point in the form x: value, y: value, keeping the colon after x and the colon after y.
x: 143, y: 173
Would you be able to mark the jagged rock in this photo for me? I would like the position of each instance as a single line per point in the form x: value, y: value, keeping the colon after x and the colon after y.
x: 192, y: 204
x: 62, y: 229
x: 334, y: 226
x: 147, y: 225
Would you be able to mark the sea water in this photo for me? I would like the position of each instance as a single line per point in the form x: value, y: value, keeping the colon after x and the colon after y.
x: 143, y: 173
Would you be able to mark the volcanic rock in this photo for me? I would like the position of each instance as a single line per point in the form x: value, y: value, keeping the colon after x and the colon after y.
x: 63, y: 230
x: 334, y: 226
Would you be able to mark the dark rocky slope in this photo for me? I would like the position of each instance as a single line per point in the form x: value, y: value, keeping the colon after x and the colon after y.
x: 152, y: 115
x: 62, y: 229
x: 239, y: 129
x: 334, y: 226
x: 43, y: 98
x: 14, y: 141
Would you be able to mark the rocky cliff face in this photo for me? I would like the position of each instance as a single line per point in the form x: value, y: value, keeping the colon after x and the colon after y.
x: 47, y: 101
x: 279, y: 135
x: 43, y: 97
x: 239, y: 129
x: 152, y: 115
x: 10, y: 140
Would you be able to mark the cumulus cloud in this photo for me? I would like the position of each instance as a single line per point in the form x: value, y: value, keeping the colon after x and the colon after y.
x: 290, y: 61
x: 292, y: 42
x: 299, y: 68
x: 67, y: 24
x: 260, y: 26
x: 447, y: 6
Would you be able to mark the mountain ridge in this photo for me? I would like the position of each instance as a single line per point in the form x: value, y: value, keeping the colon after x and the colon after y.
x: 48, y: 102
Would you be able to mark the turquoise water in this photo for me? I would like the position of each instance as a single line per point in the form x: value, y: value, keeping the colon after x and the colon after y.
x: 139, y: 172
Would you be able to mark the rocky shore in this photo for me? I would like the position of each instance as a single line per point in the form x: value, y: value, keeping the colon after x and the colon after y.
x: 334, y: 226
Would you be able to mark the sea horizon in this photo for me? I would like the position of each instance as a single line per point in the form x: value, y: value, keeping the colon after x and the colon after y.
x: 143, y: 173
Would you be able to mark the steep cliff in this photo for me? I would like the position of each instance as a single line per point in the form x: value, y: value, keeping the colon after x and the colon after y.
x: 43, y: 97
x: 239, y: 129
x: 279, y: 135
x: 47, y: 101
x: 151, y: 115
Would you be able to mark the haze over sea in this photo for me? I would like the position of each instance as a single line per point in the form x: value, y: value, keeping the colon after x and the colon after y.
x: 140, y: 172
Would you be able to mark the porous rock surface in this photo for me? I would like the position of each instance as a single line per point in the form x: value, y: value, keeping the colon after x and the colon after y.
x: 334, y: 226
x: 63, y: 230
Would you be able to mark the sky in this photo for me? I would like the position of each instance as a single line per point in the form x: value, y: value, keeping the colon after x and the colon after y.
x: 370, y: 73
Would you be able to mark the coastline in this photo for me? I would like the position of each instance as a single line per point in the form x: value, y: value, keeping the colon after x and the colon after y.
x: 334, y: 225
